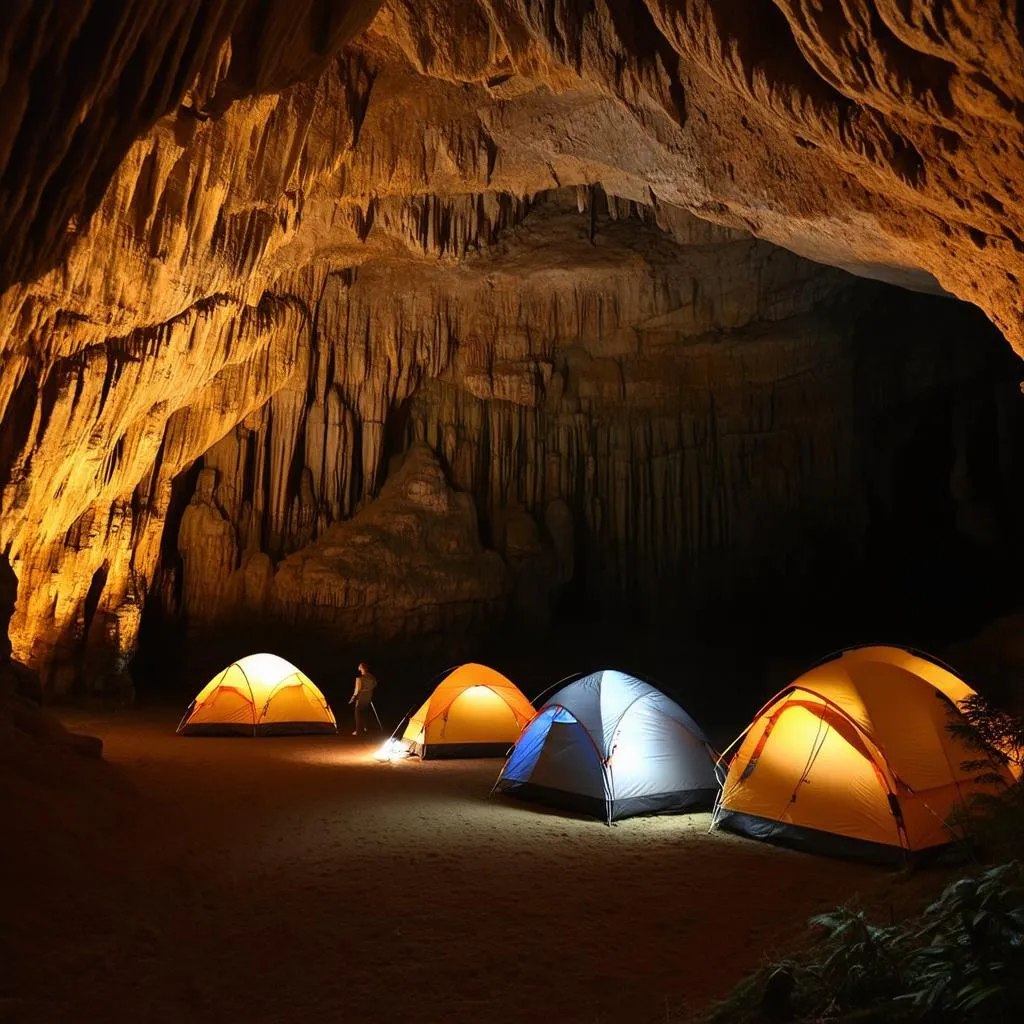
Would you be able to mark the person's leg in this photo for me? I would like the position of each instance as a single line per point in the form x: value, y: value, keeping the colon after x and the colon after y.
x: 355, y: 712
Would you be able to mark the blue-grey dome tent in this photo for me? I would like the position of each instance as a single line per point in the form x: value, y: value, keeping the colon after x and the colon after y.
x: 612, y: 746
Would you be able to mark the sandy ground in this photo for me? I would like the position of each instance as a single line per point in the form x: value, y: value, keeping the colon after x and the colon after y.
x: 300, y: 880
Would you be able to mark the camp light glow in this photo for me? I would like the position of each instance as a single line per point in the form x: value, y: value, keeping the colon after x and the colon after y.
x: 391, y: 750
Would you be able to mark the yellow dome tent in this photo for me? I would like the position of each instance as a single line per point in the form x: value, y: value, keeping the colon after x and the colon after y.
x: 259, y: 695
x: 473, y: 712
x: 855, y: 758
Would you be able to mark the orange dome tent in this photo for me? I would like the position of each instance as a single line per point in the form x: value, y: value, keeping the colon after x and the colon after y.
x: 260, y: 695
x: 855, y: 757
x: 473, y: 712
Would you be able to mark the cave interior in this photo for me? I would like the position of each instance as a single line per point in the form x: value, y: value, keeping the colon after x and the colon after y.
x: 676, y: 336
x: 550, y: 334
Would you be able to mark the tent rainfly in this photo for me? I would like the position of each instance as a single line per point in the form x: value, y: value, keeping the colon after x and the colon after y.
x: 612, y: 746
x: 473, y: 712
x: 855, y: 758
x: 259, y: 695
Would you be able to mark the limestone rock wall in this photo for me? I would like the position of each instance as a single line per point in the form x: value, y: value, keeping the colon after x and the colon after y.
x: 663, y: 419
x: 185, y: 192
x: 81, y: 82
x: 576, y: 311
x: 740, y: 466
x: 407, y: 564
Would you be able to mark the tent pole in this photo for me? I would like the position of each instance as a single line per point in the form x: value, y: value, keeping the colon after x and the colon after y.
x: 184, y: 717
x: 571, y: 678
x: 504, y: 764
x: 720, y: 760
x: 398, y: 727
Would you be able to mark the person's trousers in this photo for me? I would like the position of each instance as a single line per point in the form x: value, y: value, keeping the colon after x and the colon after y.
x: 361, y: 712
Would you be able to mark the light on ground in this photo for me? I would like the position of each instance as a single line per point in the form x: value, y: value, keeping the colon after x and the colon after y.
x: 391, y: 750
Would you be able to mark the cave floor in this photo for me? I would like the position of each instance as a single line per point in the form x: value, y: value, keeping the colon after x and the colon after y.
x: 300, y: 880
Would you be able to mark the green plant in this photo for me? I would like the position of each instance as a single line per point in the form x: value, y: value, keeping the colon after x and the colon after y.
x: 968, y: 952
x: 992, y: 819
x: 996, y: 735
x: 960, y: 960
x: 862, y: 959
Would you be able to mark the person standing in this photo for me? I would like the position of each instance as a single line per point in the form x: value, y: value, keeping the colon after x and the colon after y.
x: 361, y: 697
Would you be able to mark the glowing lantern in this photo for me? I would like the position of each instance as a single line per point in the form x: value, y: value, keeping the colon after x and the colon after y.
x: 391, y: 750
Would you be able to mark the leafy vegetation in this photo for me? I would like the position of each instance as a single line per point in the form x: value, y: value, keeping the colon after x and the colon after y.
x: 995, y: 734
x: 994, y: 821
x: 961, y: 960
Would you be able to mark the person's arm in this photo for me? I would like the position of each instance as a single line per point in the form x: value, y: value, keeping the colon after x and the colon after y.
x: 358, y: 687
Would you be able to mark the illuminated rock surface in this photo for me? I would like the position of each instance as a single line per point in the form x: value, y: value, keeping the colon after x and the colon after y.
x: 248, y: 230
x: 410, y: 561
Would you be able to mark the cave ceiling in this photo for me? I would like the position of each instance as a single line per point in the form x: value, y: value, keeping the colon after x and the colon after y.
x: 183, y: 185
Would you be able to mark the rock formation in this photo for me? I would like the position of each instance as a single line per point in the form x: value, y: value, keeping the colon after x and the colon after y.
x: 409, y: 562
x: 243, y: 221
x: 692, y: 415
x: 30, y: 738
